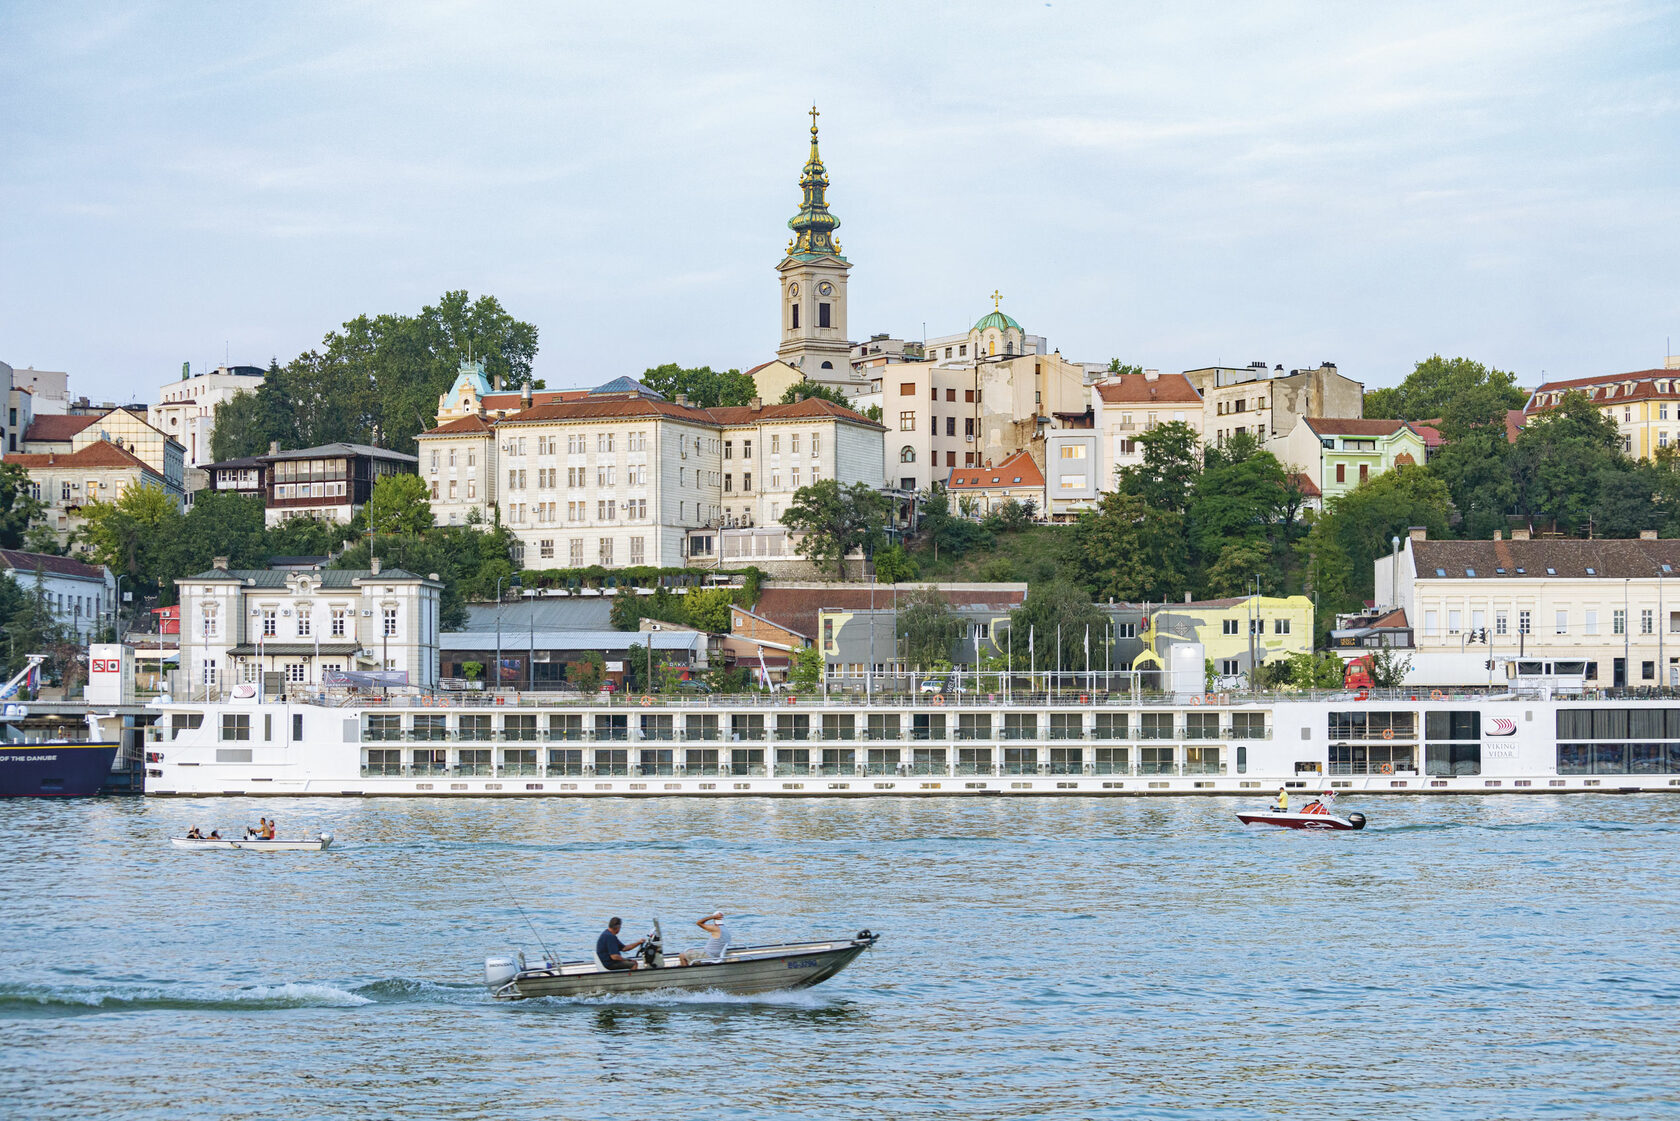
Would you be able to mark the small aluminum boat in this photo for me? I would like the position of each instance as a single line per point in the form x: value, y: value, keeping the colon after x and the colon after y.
x: 744, y: 971
x: 252, y: 844
x: 1319, y: 820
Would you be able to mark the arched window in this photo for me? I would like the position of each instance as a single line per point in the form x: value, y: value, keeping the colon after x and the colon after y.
x: 828, y: 365
x: 907, y: 454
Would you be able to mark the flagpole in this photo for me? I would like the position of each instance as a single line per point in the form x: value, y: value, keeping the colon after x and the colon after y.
x: 1032, y: 659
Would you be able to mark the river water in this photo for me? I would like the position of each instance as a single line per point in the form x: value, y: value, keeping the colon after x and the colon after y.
x: 1502, y: 957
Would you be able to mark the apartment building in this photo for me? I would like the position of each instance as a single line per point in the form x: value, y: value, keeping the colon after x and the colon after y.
x: 65, y: 482
x: 978, y: 491
x: 17, y: 410
x: 1123, y: 406
x: 65, y: 434
x: 81, y: 597
x: 622, y: 477
x: 330, y: 481
x: 1267, y: 402
x: 1644, y: 404
x: 244, y: 627
x: 186, y: 408
x: 1337, y: 454
x: 1480, y: 610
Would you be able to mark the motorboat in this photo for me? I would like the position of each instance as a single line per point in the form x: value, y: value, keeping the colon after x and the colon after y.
x: 1320, y: 819
x: 744, y: 971
x: 254, y: 844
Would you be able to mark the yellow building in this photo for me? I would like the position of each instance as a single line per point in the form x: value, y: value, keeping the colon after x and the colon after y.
x: 1235, y: 634
x: 1644, y: 404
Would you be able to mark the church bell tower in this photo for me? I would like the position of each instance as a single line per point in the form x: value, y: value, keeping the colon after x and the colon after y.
x: 813, y: 282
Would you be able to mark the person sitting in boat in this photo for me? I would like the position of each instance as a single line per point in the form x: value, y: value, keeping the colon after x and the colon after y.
x: 716, y: 946
x: 610, y: 951
x: 215, y: 835
x: 268, y: 830
x: 195, y: 834
x: 257, y: 829
x: 1317, y: 805
x: 1282, y: 804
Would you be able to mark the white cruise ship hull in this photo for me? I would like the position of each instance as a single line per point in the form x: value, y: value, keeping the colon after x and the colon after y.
x: 1072, y: 744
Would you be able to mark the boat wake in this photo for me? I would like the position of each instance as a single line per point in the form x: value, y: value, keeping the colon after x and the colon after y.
x: 27, y: 1000
x: 802, y: 999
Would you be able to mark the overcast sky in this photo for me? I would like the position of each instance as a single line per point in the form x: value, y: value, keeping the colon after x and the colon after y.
x: 1175, y: 185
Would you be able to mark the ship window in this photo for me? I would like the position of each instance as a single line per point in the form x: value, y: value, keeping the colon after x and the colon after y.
x: 236, y: 726
x: 1592, y: 572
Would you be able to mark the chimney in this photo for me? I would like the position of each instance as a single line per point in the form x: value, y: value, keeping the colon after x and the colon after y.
x: 496, y: 383
x: 1499, y: 535
x: 757, y: 404
x: 1647, y: 535
x: 1186, y: 597
x: 373, y: 565
x: 1418, y: 533
x: 219, y: 563
x: 682, y: 399
x: 1152, y: 375
x: 525, y: 394
x: 274, y: 447
x: 1520, y: 534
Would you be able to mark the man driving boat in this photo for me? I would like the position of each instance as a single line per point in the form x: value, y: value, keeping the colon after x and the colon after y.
x: 610, y: 950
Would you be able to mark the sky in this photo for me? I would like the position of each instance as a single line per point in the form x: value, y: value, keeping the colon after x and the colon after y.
x: 1175, y: 185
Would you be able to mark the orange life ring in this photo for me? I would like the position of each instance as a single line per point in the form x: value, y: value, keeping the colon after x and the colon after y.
x: 646, y: 700
x: 1388, y: 733
x: 1195, y: 700
x: 1363, y: 695
x: 1210, y: 699
x: 1436, y: 695
x: 939, y: 698
x: 1386, y: 768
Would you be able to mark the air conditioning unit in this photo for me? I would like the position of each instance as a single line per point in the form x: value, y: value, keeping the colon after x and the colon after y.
x: 969, y: 438
x: 367, y: 612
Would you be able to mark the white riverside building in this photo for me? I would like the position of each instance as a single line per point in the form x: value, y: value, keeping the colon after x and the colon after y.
x: 1116, y: 744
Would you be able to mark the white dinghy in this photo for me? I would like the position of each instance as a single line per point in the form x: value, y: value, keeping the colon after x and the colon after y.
x: 252, y: 844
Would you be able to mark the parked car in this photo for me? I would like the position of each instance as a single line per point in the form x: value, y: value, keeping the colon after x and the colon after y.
x: 933, y: 685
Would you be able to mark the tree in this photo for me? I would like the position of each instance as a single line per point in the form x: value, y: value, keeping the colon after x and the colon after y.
x: 220, y: 524
x: 1560, y: 460
x: 1388, y: 669
x: 1011, y: 517
x: 18, y: 505
x: 941, y: 529
x: 304, y: 536
x: 1047, y: 608
x: 1238, y: 564
x: 135, y: 535
x: 1170, y: 465
x: 705, y: 387
x: 1241, y: 496
x: 1115, y: 366
x: 1129, y: 550
x: 928, y: 628
x: 1475, y: 459
x: 799, y: 391
x: 588, y: 671
x: 1357, y: 527
x: 806, y: 674
x: 893, y: 565
x: 1436, y: 383
x: 833, y: 520
x: 398, y: 505
x: 709, y: 609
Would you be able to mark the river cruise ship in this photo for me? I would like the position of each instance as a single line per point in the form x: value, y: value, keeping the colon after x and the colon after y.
x: 1126, y: 743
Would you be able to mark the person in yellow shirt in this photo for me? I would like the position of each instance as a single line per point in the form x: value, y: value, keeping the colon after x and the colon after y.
x: 1282, y: 805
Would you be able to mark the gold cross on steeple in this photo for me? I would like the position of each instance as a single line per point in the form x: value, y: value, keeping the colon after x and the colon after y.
x: 814, y: 116
x: 997, y: 299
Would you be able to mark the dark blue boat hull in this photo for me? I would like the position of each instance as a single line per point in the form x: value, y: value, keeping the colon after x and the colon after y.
x: 54, y: 770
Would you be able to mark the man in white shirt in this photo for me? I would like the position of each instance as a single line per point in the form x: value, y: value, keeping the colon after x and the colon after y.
x: 716, y: 946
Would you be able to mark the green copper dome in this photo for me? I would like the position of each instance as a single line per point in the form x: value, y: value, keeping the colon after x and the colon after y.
x: 813, y: 227
x: 996, y: 319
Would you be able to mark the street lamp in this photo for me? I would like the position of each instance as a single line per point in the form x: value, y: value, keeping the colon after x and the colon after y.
x: 116, y: 608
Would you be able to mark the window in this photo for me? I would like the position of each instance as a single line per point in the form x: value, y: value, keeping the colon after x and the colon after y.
x: 1280, y: 626
x: 294, y: 673
x: 793, y: 310
x: 1073, y: 451
x: 1501, y: 624
x: 574, y: 552
x: 636, y: 554
x: 390, y: 622
x: 1562, y: 622
x: 1341, y: 472
x: 906, y: 423
x: 950, y: 426
x: 1431, y: 623
x: 1232, y: 626
x: 1618, y: 621
x: 606, y: 550
x: 816, y: 444
x: 207, y: 620
x: 1592, y: 622
x: 305, y: 620
x: 746, y: 449
x: 1524, y: 622
x: 906, y: 389
x: 793, y: 443
x: 823, y: 316
x: 1455, y: 621
x: 235, y: 726
x: 729, y: 449
x: 270, y: 623
x: 338, y: 622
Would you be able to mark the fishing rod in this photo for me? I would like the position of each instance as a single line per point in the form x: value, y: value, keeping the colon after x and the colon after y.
x: 546, y: 955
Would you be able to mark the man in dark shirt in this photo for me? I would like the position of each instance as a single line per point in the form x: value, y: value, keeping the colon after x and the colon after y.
x: 611, y: 951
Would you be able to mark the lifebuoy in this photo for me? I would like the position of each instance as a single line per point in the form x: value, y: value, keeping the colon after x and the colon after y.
x: 939, y: 698
x: 1210, y: 699
x: 1386, y: 768
x: 646, y: 700
x: 1363, y: 695
x: 1195, y: 700
x: 1436, y: 695
x: 1388, y: 733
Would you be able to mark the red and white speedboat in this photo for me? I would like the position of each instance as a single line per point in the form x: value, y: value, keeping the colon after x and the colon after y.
x: 1314, y: 816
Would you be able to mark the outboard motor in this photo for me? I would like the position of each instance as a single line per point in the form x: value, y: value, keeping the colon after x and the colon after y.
x: 499, y: 971
x: 653, y: 948
x: 1357, y: 820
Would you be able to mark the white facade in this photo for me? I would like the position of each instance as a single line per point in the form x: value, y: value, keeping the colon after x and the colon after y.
x: 238, y: 625
x: 186, y: 408
x: 81, y: 597
x: 49, y: 389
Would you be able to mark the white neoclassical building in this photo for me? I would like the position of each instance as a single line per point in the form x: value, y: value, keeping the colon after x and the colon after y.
x: 186, y: 408
x: 241, y: 627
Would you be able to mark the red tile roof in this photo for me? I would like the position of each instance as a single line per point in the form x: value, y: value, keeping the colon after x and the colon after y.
x: 465, y: 426
x: 21, y: 561
x: 810, y: 407
x: 598, y: 408
x: 102, y: 453
x: 1609, y: 387
x: 1018, y: 470
x: 1137, y: 389
x: 508, y: 402
x: 52, y: 428
x: 1353, y: 426
x: 1306, y: 486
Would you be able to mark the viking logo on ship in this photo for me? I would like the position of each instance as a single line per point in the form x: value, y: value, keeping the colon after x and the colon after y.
x: 1499, y: 726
